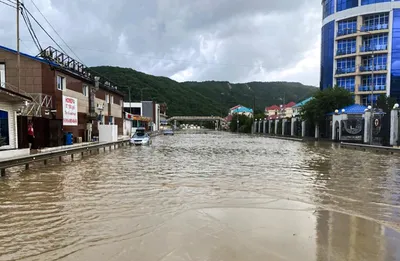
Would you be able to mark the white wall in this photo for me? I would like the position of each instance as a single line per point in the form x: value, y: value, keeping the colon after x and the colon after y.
x: 12, y: 123
x: 108, y: 133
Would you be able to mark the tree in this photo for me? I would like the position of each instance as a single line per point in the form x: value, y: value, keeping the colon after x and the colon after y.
x: 324, y: 102
x: 245, y: 123
x: 385, y: 103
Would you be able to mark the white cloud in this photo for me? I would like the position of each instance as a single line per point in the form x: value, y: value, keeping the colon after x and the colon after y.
x: 231, y: 40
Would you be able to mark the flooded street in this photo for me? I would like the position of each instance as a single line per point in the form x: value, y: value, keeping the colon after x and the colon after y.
x: 212, y: 196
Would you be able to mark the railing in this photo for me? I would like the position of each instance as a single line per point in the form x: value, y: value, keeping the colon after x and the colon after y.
x: 345, y: 51
x: 345, y: 70
x: 39, y: 101
x: 372, y: 48
x: 374, y: 27
x: 346, y: 31
x: 371, y: 68
x: 367, y: 88
x: 348, y: 88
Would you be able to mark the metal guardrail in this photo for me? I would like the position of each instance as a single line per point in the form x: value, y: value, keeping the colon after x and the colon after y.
x: 44, y: 156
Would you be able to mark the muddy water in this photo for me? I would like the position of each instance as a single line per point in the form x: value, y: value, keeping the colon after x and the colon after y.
x: 212, y: 196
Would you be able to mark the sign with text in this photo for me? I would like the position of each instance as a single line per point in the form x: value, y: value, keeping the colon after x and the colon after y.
x: 70, y: 111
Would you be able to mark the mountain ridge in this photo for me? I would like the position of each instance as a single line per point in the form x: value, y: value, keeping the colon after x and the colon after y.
x: 210, y: 97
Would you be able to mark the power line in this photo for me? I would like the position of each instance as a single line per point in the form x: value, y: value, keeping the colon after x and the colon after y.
x: 55, y: 31
x: 8, y: 4
x: 42, y: 28
x: 52, y: 27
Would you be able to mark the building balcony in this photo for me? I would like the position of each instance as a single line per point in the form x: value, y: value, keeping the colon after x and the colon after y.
x: 373, y: 48
x: 367, y: 88
x: 370, y: 68
x: 346, y: 51
x: 374, y: 27
x: 345, y: 70
x: 348, y: 88
x: 347, y: 31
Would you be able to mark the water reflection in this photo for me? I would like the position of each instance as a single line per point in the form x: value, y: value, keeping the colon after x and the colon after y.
x: 211, y: 196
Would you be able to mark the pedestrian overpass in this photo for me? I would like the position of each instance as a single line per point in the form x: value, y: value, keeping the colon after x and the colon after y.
x: 196, y: 118
x: 218, y: 120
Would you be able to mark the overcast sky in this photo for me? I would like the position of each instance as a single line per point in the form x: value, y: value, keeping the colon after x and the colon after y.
x: 234, y: 40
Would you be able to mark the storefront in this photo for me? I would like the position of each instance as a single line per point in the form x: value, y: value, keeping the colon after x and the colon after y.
x: 136, y: 121
x: 10, y: 104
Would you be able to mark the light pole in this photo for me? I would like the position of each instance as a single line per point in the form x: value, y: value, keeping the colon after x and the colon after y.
x: 371, y: 107
x: 237, y: 124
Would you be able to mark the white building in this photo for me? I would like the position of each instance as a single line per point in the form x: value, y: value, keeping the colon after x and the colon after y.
x: 10, y: 104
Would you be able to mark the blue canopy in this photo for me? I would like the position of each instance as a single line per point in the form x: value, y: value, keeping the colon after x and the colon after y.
x: 300, y: 104
x: 352, y: 109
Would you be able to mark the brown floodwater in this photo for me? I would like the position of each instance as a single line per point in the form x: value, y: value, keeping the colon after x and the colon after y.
x: 206, y: 196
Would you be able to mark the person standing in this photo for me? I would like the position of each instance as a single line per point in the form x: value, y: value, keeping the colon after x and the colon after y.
x: 31, y: 135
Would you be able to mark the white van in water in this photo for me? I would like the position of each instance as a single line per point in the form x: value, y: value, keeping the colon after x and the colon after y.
x: 140, y: 137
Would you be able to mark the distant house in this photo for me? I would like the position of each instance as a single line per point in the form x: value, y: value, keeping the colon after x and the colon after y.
x: 243, y: 111
x: 298, y: 106
x: 283, y: 111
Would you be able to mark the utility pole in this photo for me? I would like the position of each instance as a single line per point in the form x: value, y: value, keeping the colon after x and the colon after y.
x: 18, y: 54
x: 130, y: 101
x: 372, y: 98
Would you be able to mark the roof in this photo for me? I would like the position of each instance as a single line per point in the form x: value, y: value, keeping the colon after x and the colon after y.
x: 235, y: 107
x: 72, y: 74
x: 300, y: 104
x: 352, y: 109
x: 228, y: 118
x: 273, y: 107
x: 30, y: 56
x: 9, y: 95
x: 242, y: 109
x: 290, y: 105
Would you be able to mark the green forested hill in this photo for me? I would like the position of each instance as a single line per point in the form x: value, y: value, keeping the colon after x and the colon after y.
x: 202, y: 98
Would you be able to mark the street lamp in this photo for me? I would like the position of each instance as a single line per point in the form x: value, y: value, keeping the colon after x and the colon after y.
x: 370, y: 107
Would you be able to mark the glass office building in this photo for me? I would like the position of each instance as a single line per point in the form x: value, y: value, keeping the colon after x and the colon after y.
x: 360, y: 47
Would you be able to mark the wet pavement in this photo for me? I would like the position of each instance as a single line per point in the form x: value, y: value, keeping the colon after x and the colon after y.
x: 212, y: 196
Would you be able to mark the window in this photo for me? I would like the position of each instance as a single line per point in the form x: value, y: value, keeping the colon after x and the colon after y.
x: 110, y: 120
x: 121, y: 103
x: 346, y: 65
x: 347, y: 83
x: 368, y: 2
x: 345, y: 4
x: 366, y: 99
x: 60, y: 83
x: 347, y: 27
x: 380, y: 63
x: 347, y: 46
x: 107, y: 98
x: 4, y: 134
x: 375, y: 22
x: 328, y: 7
x: 85, y: 90
x: 112, y: 99
x: 2, y: 75
x: 375, y: 42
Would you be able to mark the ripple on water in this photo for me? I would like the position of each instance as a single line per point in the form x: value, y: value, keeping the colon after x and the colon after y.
x: 197, y: 188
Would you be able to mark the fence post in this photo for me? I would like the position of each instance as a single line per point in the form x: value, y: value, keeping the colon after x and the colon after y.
x: 394, y: 125
x: 367, y: 126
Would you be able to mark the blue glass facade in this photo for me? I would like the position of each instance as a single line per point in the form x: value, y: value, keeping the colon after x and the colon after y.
x: 327, y: 55
x: 369, y: 2
x: 346, y: 65
x: 345, y: 4
x: 328, y: 7
x: 395, y: 63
